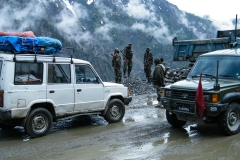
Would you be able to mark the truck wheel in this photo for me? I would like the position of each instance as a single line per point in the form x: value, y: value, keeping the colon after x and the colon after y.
x: 39, y: 122
x: 172, y: 119
x: 115, y: 111
x: 229, y: 121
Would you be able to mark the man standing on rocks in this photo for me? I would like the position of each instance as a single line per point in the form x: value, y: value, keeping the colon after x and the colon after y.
x: 127, y: 58
x: 148, y: 62
x: 116, y: 63
x: 158, y: 78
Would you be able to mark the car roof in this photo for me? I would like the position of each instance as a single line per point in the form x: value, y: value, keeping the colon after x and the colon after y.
x: 40, y: 58
x: 224, y: 52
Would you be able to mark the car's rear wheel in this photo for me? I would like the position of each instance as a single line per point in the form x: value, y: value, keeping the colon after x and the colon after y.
x: 115, y: 111
x: 229, y: 121
x: 39, y: 122
x: 173, y: 120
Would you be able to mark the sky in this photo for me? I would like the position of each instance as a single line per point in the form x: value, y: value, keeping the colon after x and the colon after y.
x: 221, y: 12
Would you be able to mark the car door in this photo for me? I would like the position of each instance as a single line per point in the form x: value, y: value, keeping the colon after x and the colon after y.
x: 88, y: 90
x: 60, y: 90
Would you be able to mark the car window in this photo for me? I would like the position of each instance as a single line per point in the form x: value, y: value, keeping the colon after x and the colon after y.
x: 84, y: 74
x: 28, y: 73
x: 59, y: 73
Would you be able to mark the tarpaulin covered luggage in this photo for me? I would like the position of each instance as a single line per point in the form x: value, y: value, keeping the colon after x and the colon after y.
x: 44, y: 45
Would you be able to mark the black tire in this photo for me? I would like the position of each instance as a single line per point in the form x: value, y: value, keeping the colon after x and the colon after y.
x: 229, y: 120
x: 172, y: 119
x: 39, y: 122
x: 115, y: 111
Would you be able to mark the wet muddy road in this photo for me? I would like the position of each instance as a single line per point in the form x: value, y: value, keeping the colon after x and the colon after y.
x: 143, y: 134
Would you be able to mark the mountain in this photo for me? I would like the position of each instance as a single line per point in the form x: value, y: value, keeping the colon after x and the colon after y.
x: 95, y: 28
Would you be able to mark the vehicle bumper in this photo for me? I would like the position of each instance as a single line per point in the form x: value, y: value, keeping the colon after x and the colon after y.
x: 127, y: 100
x: 6, y: 114
x: 188, y: 107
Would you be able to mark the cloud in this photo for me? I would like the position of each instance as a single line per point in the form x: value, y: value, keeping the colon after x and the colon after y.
x: 23, y: 17
x: 138, y: 10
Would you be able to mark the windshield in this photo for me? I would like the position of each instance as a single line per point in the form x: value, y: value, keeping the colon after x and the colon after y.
x: 229, y: 67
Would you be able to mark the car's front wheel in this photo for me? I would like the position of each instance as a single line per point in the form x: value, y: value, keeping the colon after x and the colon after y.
x: 173, y: 120
x: 229, y: 121
x: 39, y: 122
x: 115, y: 111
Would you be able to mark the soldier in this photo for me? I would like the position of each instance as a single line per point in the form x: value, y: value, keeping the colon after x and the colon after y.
x: 116, y: 63
x: 158, y: 78
x: 148, y: 62
x: 127, y: 57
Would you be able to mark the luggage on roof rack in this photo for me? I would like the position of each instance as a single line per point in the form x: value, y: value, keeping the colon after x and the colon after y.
x: 41, y: 45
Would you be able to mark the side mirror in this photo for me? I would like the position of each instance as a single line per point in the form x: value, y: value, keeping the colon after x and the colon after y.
x: 97, y: 80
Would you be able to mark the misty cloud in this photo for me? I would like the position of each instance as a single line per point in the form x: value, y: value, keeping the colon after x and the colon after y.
x: 138, y: 10
x: 23, y: 17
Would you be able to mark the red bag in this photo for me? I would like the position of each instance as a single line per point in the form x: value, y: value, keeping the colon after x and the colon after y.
x: 20, y: 34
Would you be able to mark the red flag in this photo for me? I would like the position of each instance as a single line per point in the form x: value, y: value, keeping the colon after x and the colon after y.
x: 199, y: 99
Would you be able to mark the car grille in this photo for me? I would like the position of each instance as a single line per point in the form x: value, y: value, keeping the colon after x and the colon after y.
x: 184, y: 95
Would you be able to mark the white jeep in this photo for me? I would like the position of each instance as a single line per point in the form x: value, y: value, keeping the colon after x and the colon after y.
x: 36, y: 90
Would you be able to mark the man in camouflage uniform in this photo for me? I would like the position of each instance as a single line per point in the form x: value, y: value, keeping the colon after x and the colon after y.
x: 148, y: 62
x: 127, y: 57
x: 158, y: 78
x: 116, y: 63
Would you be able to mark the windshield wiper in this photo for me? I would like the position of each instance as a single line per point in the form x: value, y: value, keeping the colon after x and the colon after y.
x: 208, y: 75
x: 196, y: 75
x: 224, y: 75
x: 205, y: 75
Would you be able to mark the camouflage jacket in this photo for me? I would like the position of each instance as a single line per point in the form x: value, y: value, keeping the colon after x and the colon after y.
x: 148, y: 59
x: 127, y: 54
x: 116, y: 61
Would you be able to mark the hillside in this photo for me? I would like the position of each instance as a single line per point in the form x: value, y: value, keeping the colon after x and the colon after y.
x: 95, y: 28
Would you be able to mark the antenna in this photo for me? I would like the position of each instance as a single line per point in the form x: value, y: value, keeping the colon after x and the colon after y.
x: 236, y: 28
x: 216, y: 85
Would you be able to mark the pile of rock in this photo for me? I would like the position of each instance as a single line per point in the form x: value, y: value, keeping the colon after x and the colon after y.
x: 138, y: 87
x: 177, y: 74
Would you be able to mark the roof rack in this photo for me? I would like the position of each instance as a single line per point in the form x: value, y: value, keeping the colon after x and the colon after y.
x: 38, y: 54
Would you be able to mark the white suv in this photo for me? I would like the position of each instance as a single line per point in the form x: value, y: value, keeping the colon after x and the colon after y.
x: 36, y: 90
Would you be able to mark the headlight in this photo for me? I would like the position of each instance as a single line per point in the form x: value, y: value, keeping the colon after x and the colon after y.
x: 129, y: 92
x: 207, y: 98
x: 213, y: 98
x: 166, y: 93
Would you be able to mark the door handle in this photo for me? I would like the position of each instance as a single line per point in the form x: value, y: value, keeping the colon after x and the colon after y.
x: 79, y: 90
x: 51, y: 91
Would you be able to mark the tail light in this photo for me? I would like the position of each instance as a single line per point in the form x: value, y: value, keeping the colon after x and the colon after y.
x: 1, y: 98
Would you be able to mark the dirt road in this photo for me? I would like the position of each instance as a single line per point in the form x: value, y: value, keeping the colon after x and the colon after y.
x: 143, y: 134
